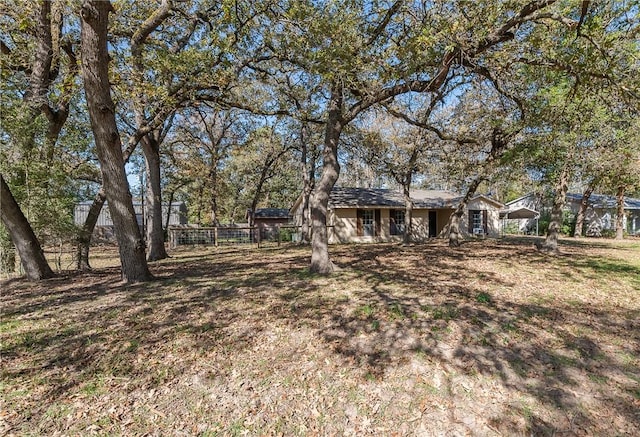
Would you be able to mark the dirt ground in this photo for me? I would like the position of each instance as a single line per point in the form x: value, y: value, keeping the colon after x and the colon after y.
x: 492, y: 338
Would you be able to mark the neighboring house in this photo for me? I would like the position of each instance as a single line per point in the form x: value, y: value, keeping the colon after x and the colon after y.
x: 601, y: 212
x: 523, y: 214
x: 269, y: 220
x: 104, y: 225
x: 377, y: 215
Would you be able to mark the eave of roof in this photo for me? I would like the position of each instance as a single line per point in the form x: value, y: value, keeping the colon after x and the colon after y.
x: 519, y: 213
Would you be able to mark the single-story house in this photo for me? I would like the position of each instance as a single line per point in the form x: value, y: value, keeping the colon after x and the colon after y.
x: 177, y: 214
x: 269, y: 220
x: 377, y: 215
x: 600, y: 215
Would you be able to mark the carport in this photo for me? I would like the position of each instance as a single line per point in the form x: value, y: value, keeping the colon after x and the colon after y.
x: 522, y: 213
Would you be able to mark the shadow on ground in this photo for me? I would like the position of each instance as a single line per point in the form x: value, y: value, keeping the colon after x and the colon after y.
x: 387, y: 305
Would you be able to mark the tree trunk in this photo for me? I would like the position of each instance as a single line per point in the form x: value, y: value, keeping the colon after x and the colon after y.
x: 320, y: 261
x: 86, y: 233
x: 31, y: 256
x: 155, y: 233
x: 555, y: 225
x: 584, y: 203
x: 308, y: 165
x: 620, y: 213
x: 408, y: 215
x: 168, y: 216
x: 84, y: 238
x: 41, y: 73
x: 264, y: 173
x: 213, y: 202
x: 95, y: 72
x: 305, y: 228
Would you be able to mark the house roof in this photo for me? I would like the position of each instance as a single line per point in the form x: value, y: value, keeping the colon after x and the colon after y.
x: 602, y: 201
x: 271, y: 213
x: 597, y: 201
x: 519, y: 213
x: 528, y: 195
x: 348, y: 197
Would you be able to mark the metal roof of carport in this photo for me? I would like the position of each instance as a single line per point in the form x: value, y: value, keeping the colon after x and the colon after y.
x: 519, y: 213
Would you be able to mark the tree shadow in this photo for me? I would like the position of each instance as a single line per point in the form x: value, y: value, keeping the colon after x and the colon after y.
x: 386, y: 306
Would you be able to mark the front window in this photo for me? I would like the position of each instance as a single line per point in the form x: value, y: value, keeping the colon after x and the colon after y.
x: 478, y: 222
x: 368, y: 223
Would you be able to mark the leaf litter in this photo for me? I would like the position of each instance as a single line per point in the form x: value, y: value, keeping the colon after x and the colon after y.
x: 490, y: 339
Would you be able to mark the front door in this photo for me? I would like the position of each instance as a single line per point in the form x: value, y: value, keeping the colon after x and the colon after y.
x: 433, y: 229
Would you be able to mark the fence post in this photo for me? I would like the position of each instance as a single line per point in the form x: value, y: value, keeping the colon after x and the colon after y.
x: 279, y: 235
x: 215, y: 236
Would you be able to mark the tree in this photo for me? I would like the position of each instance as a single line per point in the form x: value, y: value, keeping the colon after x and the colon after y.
x: 259, y: 161
x: 374, y: 56
x: 33, y: 261
x: 395, y: 149
x: 584, y: 203
x: 625, y: 171
x: 198, y: 150
x: 38, y: 88
x: 95, y: 72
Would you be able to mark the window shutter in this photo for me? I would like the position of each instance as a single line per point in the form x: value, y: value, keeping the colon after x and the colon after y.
x: 392, y: 222
x: 485, y: 225
x: 470, y: 220
x: 359, y: 222
x: 378, y: 224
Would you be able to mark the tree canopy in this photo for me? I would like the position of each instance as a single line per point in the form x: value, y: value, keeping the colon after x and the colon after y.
x: 238, y: 105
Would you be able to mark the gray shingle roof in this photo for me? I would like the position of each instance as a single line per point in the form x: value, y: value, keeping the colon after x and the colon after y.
x: 271, y: 213
x: 602, y: 201
x: 343, y: 197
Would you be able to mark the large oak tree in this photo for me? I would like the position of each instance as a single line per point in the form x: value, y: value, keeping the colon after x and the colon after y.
x: 95, y: 73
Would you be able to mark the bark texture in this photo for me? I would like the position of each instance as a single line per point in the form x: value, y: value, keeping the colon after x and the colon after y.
x: 95, y: 72
x: 84, y: 238
x: 27, y: 245
x: 320, y: 261
x: 555, y: 224
x: 584, y: 203
x: 155, y: 233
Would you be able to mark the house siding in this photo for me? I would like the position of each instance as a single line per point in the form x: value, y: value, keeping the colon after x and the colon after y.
x: 344, y: 225
x: 348, y: 203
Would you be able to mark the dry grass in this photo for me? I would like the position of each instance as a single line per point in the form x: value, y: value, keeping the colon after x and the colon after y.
x: 493, y: 338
